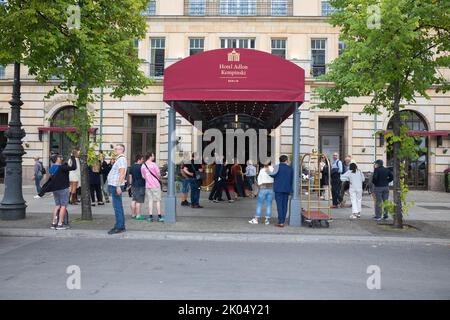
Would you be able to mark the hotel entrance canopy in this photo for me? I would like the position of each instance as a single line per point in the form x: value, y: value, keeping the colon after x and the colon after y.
x: 217, y: 83
x: 214, y: 83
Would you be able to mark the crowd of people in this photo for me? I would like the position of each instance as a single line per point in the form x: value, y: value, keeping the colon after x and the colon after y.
x: 346, y: 177
x: 143, y: 182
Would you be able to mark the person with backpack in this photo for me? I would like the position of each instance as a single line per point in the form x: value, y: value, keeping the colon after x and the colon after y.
x: 355, y: 178
x: 39, y: 173
x: 381, y: 178
x: 194, y: 172
x: 152, y: 176
x: 59, y: 183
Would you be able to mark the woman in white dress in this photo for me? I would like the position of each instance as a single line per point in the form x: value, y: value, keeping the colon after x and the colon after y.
x: 75, y: 180
x: 356, y: 179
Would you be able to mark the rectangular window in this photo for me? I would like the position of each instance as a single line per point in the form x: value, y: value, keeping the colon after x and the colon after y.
x: 237, y: 7
x: 327, y: 9
x: 157, y: 57
x: 279, y: 47
x: 151, y: 9
x: 2, y: 72
x: 197, y: 7
x: 341, y: 47
x: 196, y: 45
x: 279, y: 7
x: 248, y: 43
x: 3, y: 119
x: 318, y: 56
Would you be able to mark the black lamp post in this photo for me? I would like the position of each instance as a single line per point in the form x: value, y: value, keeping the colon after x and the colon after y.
x: 13, y: 205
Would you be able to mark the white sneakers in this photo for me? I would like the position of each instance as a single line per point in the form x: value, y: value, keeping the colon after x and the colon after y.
x: 255, y: 221
x: 37, y: 197
x: 355, y: 216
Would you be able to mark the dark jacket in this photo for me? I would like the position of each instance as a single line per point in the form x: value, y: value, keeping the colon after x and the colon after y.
x: 382, y: 177
x: 94, y: 177
x: 106, y: 168
x: 60, y: 180
x: 283, y: 178
x: 218, y: 172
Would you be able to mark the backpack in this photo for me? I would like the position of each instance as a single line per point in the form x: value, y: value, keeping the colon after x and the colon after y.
x: 43, y: 171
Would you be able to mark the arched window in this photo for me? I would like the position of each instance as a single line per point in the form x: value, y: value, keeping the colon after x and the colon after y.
x: 417, y: 169
x: 59, y: 140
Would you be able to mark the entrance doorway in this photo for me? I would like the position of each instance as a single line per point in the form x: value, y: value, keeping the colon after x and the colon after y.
x: 143, y: 135
x: 331, y: 136
x: 417, y: 169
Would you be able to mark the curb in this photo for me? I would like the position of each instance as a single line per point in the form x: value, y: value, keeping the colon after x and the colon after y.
x: 228, y: 237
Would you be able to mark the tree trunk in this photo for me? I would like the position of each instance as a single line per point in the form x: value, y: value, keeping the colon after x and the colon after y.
x: 398, y: 216
x: 86, y: 209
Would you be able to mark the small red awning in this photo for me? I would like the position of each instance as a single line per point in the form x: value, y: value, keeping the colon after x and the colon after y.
x: 3, y: 128
x: 428, y: 133
x: 63, y: 129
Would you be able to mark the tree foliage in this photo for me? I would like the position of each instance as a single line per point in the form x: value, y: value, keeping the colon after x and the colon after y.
x: 395, y: 51
x: 96, y: 50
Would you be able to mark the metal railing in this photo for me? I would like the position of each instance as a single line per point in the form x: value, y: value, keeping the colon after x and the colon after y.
x: 247, y: 8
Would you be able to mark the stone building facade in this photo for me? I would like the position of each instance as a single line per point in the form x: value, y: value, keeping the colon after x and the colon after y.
x: 297, y: 30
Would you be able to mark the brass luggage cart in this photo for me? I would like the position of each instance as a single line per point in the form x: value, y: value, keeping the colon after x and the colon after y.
x: 315, y: 199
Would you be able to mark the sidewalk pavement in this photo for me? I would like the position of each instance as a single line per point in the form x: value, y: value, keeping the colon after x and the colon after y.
x: 429, y: 221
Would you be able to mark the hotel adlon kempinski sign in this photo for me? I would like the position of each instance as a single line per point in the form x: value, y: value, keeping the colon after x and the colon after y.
x: 233, y: 71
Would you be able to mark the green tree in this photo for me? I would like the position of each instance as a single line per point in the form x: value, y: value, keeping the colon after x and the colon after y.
x: 86, y: 44
x: 394, y: 52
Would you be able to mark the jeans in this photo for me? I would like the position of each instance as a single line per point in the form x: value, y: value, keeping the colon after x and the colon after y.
x: 118, y: 206
x: 381, y: 195
x: 95, y: 189
x: 37, y: 182
x: 281, y: 199
x: 356, y: 198
x: 195, y: 192
x: 264, y: 196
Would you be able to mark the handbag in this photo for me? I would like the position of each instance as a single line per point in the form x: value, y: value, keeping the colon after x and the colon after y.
x: 160, y: 184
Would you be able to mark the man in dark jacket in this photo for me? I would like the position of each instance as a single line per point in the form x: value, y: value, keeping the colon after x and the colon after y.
x: 283, y: 176
x: 59, y: 183
x: 381, y: 179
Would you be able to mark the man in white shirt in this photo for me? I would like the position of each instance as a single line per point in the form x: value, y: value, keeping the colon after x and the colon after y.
x: 116, y: 186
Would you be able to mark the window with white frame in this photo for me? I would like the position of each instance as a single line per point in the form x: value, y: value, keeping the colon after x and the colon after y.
x: 157, y: 56
x: 342, y: 47
x: 318, y: 56
x: 196, y: 45
x: 151, y: 8
x: 197, y: 7
x: 279, y: 47
x: 246, y: 43
x: 279, y: 7
x: 2, y: 72
x: 237, y: 7
x: 327, y: 8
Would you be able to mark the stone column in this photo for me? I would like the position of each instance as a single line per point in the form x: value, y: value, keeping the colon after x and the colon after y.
x: 170, y: 199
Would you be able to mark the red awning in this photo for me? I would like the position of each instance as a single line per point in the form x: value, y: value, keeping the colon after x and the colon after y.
x: 63, y: 129
x: 429, y: 133
x: 3, y: 128
x: 218, y: 82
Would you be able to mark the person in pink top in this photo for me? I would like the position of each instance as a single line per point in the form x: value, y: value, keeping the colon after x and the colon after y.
x: 151, y: 174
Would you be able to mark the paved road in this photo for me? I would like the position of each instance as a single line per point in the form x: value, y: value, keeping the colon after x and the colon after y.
x: 35, y: 268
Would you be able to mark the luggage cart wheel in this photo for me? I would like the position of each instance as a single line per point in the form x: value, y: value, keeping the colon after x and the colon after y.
x: 325, y: 223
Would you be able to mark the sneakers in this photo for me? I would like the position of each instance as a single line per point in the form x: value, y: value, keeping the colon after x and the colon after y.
x: 53, y: 227
x: 37, y: 197
x: 267, y: 221
x: 114, y: 231
x: 355, y: 216
x: 253, y: 221
x: 376, y: 218
x: 150, y: 219
x: 61, y: 227
x: 385, y: 217
x: 160, y: 219
x: 231, y: 201
x: 140, y: 218
x: 185, y: 203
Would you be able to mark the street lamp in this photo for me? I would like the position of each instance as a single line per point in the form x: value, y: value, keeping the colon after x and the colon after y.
x: 13, y: 205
